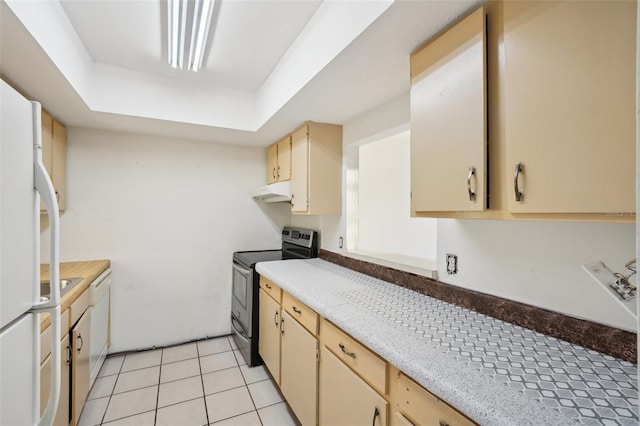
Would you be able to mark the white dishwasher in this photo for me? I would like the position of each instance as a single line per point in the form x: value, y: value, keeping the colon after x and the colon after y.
x: 100, y: 292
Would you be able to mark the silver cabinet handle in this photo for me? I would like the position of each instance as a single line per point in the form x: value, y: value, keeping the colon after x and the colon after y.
x: 519, y: 169
x: 472, y: 192
x: 69, y: 354
x: 268, y: 286
x: 292, y: 195
x: 273, y: 173
x: 344, y: 350
x: 81, y: 342
x: 275, y: 319
x: 282, y: 326
x: 278, y: 172
x: 442, y: 423
x: 296, y: 310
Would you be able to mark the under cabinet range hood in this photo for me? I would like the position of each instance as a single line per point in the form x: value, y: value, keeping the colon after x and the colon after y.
x: 274, y: 193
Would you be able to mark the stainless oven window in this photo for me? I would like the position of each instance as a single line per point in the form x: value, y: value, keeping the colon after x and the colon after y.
x: 240, y: 284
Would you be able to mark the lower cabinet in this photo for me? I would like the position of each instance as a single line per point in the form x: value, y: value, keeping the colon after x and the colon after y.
x: 269, y: 329
x: 81, y: 334
x: 62, y: 414
x: 75, y: 359
x: 346, y: 399
x: 289, y: 348
x: 331, y: 379
x: 299, y: 369
x: 414, y: 405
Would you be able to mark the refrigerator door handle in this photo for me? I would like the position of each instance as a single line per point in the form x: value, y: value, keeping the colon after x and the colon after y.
x: 44, y: 186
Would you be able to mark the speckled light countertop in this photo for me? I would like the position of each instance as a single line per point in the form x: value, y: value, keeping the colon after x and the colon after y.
x: 495, y: 372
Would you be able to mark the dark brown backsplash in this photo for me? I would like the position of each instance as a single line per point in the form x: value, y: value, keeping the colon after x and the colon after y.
x: 612, y: 341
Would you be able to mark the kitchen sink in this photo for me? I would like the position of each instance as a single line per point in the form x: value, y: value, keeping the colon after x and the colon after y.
x: 66, y: 284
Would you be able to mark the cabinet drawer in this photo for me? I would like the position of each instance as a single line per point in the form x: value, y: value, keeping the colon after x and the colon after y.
x: 301, y: 312
x: 271, y: 288
x: 45, y: 336
x: 368, y: 365
x: 79, y: 306
x: 424, y: 408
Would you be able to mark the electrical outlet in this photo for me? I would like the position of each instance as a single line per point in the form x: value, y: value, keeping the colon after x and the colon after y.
x: 452, y: 264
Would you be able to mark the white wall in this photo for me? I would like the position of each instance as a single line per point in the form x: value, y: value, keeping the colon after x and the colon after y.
x: 538, y: 263
x: 169, y: 214
x: 384, y: 223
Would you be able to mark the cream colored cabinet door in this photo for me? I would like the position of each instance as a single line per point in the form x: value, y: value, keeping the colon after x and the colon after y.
x: 300, y: 170
x: 47, y: 148
x: 62, y: 413
x: 54, y: 157
x: 448, y: 120
x: 316, y: 169
x: 299, y: 371
x: 47, y: 141
x: 283, y: 171
x: 269, y: 329
x: 345, y: 399
x: 272, y: 163
x: 59, y: 172
x: 81, y: 335
x: 570, y: 69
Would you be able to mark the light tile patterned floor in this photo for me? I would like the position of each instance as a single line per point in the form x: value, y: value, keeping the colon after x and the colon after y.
x: 195, y: 384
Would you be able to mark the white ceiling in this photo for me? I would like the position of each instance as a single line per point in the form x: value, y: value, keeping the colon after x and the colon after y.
x: 272, y: 64
x: 247, y: 38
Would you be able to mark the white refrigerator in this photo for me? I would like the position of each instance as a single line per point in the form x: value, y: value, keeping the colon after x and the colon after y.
x: 22, y: 178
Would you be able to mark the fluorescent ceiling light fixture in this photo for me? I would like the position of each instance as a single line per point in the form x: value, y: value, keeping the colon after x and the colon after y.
x: 179, y: 12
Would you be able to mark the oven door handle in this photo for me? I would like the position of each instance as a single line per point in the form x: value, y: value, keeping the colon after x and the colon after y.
x: 241, y: 331
x: 242, y: 271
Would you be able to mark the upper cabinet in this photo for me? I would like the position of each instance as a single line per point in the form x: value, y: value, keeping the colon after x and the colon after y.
x: 279, y: 161
x: 311, y: 158
x: 550, y: 134
x: 570, y: 70
x: 283, y: 168
x: 54, y: 157
x: 272, y: 163
x: 316, y: 169
x: 448, y: 120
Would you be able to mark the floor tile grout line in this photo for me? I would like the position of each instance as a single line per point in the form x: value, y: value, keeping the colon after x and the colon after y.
x: 126, y: 417
x: 225, y: 390
x: 136, y: 389
x: 135, y: 414
x: 236, y: 415
x: 111, y: 394
x: 250, y: 396
x: 155, y: 417
x: 199, y: 357
x: 204, y: 396
x: 138, y: 369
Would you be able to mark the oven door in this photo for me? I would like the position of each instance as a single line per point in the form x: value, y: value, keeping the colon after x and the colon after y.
x: 242, y: 300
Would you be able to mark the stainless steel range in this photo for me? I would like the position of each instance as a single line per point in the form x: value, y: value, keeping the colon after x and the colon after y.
x: 297, y: 243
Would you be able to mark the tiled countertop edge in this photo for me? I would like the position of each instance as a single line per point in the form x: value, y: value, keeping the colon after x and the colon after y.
x: 611, y: 341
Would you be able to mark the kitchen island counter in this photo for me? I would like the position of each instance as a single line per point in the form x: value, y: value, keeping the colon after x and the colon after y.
x: 494, y: 372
